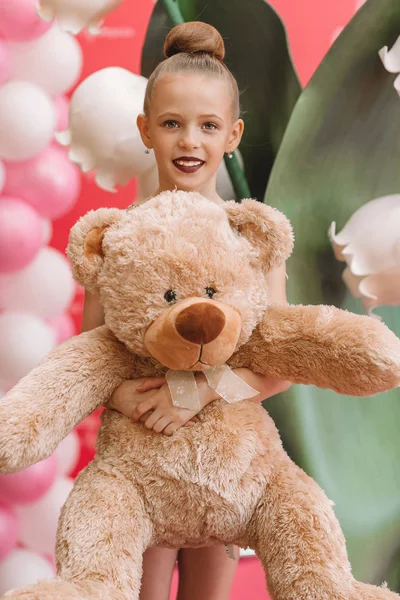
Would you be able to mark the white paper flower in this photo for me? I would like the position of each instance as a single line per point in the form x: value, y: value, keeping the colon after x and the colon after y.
x: 75, y: 15
x: 102, y: 133
x: 370, y: 245
x: 391, y: 61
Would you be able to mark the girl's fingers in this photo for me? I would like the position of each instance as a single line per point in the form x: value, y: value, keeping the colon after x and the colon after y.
x: 144, y: 417
x: 153, y: 383
x: 152, y: 419
x: 192, y: 421
x: 140, y: 409
x: 161, y: 424
x: 171, y: 428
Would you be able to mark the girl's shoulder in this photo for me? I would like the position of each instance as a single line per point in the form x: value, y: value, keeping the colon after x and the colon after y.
x: 137, y: 203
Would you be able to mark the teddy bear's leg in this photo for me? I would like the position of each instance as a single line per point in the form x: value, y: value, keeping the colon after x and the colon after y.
x: 295, y: 533
x: 102, y: 534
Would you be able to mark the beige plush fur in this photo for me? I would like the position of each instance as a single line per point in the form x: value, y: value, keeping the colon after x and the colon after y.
x: 226, y: 479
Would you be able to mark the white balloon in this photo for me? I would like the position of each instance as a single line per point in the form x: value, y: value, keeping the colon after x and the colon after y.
x: 2, y: 175
x: 74, y: 15
x: 38, y: 521
x: 67, y: 453
x: 45, y: 287
x: 21, y: 568
x: 102, y: 133
x: 47, y: 229
x: 52, y: 61
x: 27, y: 119
x: 24, y: 341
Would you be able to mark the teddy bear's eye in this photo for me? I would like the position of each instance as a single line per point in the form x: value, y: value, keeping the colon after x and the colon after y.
x: 210, y: 292
x: 171, y: 296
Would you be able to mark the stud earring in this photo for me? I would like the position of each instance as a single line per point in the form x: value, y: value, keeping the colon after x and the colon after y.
x: 147, y: 151
x: 230, y: 155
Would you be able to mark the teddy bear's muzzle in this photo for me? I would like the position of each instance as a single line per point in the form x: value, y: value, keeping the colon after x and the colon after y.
x: 200, y: 323
x: 194, y: 335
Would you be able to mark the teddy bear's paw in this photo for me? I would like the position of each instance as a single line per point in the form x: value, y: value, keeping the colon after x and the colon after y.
x: 363, y: 591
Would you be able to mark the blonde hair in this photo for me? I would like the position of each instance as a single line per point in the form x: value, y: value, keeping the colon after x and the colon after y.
x: 198, y: 48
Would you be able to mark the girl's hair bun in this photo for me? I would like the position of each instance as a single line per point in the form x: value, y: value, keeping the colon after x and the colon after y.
x: 194, y: 37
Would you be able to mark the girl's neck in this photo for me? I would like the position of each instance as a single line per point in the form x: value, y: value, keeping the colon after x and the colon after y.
x: 210, y: 193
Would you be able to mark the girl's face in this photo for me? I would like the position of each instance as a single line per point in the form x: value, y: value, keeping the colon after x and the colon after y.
x: 190, y: 127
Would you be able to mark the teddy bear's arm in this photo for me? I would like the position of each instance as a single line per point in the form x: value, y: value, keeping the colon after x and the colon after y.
x: 74, y: 379
x: 324, y: 346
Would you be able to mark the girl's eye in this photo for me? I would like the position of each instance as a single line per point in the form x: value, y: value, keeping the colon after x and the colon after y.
x: 171, y: 124
x: 210, y: 126
x: 210, y: 292
x: 171, y: 296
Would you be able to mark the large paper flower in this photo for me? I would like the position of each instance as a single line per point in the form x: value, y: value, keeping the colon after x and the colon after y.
x: 102, y: 134
x: 75, y: 15
x: 370, y: 245
x: 391, y: 61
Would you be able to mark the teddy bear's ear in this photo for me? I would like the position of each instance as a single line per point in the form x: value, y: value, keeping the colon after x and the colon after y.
x: 265, y: 227
x: 85, y: 245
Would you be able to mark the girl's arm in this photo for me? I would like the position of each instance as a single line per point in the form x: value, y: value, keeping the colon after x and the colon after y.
x: 93, y: 314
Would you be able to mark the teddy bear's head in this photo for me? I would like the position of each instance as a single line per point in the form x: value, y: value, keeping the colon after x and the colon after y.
x: 181, y: 278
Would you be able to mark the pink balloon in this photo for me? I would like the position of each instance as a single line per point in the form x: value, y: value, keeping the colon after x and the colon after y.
x: 62, y: 110
x: 49, y: 182
x: 28, y: 485
x: 63, y: 326
x: 21, y: 234
x: 8, y: 531
x: 19, y: 21
x: 4, y: 62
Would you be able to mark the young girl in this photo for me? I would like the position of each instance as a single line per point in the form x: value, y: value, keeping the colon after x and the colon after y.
x: 191, y: 118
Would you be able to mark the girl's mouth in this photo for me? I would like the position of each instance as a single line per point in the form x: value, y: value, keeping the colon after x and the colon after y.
x: 188, y: 165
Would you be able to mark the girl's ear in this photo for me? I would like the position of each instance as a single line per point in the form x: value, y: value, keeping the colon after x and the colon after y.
x: 235, y: 136
x: 142, y: 123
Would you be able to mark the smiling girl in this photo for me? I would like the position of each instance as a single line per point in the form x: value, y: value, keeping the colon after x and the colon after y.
x: 191, y: 118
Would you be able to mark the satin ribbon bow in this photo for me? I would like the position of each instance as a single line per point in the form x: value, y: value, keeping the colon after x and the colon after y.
x: 185, y: 394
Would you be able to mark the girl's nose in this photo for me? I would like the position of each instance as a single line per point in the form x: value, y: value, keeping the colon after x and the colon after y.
x: 189, y: 139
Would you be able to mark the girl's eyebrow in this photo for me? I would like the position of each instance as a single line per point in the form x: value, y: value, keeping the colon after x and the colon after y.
x: 178, y: 116
x: 169, y: 114
x: 211, y: 116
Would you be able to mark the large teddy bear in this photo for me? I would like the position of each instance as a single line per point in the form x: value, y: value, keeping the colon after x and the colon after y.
x: 182, y: 281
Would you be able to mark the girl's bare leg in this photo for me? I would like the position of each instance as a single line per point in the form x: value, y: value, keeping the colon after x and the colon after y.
x: 206, y: 573
x: 158, y: 567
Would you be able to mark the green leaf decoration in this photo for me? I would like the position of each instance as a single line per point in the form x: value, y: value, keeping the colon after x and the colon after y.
x: 260, y: 62
x: 340, y: 150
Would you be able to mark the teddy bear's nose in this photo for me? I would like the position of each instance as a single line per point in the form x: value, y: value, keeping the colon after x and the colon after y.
x: 200, y: 323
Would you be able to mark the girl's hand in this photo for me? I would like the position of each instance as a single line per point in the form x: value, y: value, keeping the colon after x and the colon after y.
x: 149, y: 401
x: 156, y: 411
